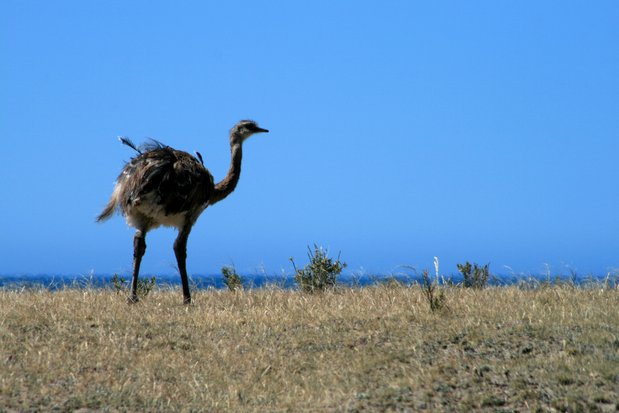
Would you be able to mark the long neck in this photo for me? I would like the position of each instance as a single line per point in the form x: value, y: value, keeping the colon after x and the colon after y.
x: 227, y: 185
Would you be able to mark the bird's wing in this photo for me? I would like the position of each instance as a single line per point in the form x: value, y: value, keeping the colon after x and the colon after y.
x: 174, y: 180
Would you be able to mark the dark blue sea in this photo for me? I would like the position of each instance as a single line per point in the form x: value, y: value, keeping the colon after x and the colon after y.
x: 56, y: 282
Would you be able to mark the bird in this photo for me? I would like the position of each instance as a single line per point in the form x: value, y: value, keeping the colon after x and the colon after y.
x: 165, y: 186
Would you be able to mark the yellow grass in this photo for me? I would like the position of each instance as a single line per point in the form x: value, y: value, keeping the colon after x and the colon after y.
x: 377, y: 348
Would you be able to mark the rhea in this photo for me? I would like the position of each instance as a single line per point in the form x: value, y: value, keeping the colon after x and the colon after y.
x: 165, y: 186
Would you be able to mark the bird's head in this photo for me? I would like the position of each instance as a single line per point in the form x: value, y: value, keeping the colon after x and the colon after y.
x: 244, y: 129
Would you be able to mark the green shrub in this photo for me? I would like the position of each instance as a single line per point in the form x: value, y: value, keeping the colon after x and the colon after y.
x: 474, y: 276
x: 232, y: 280
x: 144, y: 285
x: 321, y: 273
x: 118, y: 283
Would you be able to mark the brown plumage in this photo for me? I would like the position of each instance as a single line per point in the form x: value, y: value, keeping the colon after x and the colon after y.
x: 165, y: 186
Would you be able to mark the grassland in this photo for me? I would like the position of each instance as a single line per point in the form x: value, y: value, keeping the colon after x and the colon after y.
x: 368, y: 349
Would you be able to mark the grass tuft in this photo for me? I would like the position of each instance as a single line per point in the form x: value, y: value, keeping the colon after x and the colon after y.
x: 434, y: 294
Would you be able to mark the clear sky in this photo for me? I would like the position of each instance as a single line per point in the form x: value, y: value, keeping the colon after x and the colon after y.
x: 400, y: 130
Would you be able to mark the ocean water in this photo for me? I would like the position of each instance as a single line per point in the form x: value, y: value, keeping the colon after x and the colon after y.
x: 56, y: 282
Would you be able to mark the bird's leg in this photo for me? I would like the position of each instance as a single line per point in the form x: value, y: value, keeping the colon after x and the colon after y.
x: 139, y: 248
x: 180, y: 250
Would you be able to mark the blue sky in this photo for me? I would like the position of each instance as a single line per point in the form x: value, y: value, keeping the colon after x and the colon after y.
x: 482, y: 131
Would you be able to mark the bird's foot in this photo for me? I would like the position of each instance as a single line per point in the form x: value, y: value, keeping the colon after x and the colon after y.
x: 132, y: 299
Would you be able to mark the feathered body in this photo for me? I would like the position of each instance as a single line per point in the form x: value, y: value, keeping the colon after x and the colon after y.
x: 162, y: 186
x: 165, y: 186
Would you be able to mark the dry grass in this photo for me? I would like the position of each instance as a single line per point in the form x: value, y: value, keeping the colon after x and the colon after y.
x: 377, y: 348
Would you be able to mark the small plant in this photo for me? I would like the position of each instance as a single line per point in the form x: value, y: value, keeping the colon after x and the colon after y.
x: 434, y: 295
x: 321, y: 273
x: 474, y: 276
x: 232, y: 280
x: 119, y: 283
x: 144, y: 285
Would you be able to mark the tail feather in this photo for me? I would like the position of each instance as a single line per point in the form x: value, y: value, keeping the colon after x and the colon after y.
x: 108, y: 211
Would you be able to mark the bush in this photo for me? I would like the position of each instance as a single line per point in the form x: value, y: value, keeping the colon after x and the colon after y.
x: 474, y: 276
x: 321, y: 273
x: 144, y: 285
x: 232, y: 280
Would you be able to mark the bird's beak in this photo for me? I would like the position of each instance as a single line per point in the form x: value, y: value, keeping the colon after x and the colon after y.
x: 260, y: 130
